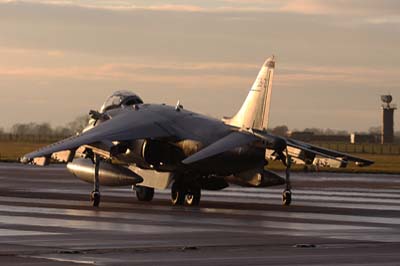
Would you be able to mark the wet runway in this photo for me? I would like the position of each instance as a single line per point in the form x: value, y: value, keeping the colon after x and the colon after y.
x: 336, y: 219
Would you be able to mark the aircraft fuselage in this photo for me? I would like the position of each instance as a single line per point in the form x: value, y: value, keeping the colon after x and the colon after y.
x: 195, y: 131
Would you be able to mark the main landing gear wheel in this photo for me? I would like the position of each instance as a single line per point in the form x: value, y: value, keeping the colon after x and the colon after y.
x: 177, y: 194
x: 193, y: 196
x: 144, y: 193
x: 181, y: 194
x: 95, y: 198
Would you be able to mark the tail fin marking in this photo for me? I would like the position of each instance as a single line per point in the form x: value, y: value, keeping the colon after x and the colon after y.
x: 254, y: 112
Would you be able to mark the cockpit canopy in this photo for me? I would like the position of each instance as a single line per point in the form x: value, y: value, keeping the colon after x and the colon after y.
x: 120, y: 99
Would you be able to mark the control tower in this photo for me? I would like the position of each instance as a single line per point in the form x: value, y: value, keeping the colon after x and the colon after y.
x: 388, y: 119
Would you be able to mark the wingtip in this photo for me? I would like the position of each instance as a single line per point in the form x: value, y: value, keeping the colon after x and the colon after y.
x: 365, y: 163
x: 25, y: 160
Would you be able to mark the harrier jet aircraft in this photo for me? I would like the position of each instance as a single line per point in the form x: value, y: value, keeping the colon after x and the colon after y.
x: 156, y: 146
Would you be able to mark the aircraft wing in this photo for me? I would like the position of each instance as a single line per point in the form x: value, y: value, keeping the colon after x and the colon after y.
x: 129, y: 125
x: 301, y: 153
x: 311, y: 154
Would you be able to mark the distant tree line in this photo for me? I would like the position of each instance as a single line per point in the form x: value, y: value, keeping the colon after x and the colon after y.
x: 283, y: 130
x: 43, y: 131
x: 46, y: 132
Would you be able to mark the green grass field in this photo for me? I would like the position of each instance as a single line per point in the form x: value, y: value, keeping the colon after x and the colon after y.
x: 11, y: 151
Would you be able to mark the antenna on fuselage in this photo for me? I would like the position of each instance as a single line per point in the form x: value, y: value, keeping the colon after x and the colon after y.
x: 178, y: 106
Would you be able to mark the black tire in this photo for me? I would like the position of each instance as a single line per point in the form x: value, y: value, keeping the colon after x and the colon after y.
x: 144, y: 193
x: 193, y: 197
x: 287, y: 197
x: 95, y: 198
x: 178, y: 194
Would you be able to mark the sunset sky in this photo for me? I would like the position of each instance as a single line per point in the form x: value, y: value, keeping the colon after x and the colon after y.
x: 59, y: 59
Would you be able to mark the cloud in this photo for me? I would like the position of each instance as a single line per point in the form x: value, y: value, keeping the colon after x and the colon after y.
x: 345, y: 12
x: 305, y: 7
x: 113, y: 6
x: 216, y: 74
x: 354, y: 75
x: 384, y: 20
x: 136, y: 73
x: 182, y: 8
x: 200, y: 75
x: 55, y: 53
x: 30, y: 52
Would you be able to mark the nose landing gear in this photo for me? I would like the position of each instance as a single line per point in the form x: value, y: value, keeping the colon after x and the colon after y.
x: 95, y: 195
x: 286, y: 197
x: 95, y: 198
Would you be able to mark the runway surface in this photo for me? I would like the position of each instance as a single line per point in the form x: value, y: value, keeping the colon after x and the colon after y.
x: 336, y: 219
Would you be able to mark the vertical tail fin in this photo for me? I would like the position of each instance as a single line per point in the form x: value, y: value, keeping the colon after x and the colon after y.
x: 254, y: 112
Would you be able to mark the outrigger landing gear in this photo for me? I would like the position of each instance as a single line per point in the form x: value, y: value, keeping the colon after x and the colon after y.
x: 287, y: 194
x: 95, y: 195
x: 182, y: 193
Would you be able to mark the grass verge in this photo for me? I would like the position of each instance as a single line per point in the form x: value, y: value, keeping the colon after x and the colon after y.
x: 10, y: 151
